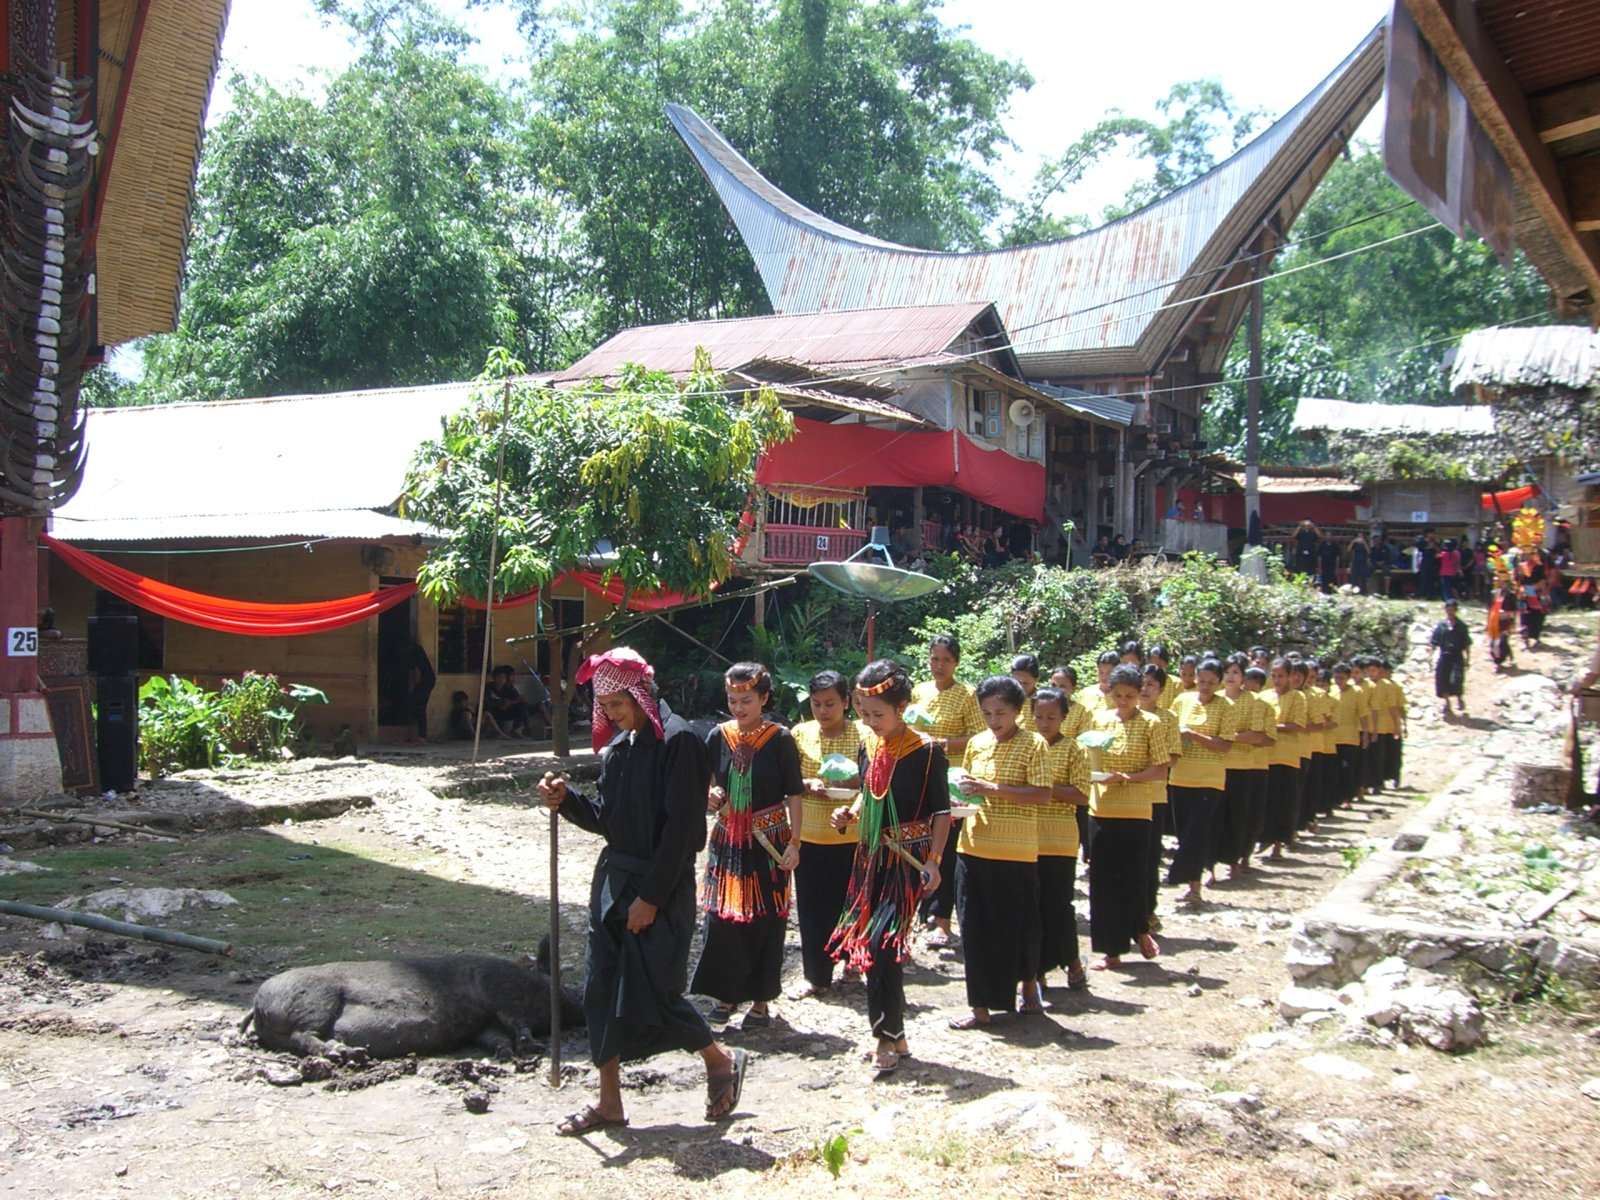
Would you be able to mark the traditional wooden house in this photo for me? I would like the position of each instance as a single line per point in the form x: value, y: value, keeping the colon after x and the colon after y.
x: 284, y: 500
x: 1141, y: 311
x: 913, y: 418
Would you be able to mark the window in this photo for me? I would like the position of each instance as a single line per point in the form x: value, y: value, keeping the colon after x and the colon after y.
x: 460, y: 646
x: 992, y: 424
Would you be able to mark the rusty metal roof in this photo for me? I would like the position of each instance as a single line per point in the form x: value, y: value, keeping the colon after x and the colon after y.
x: 1105, y: 301
x: 1315, y: 415
x: 838, y: 341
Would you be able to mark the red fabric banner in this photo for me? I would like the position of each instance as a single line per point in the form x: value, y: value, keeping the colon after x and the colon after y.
x: 224, y: 615
x: 853, y: 456
x: 1509, y: 502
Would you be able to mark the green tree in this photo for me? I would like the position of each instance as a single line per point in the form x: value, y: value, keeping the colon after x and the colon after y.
x: 875, y: 114
x: 1203, y: 124
x: 658, y: 470
x: 1374, y: 326
x: 388, y: 234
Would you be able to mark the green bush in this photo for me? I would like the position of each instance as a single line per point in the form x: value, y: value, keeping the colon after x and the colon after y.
x: 253, y: 718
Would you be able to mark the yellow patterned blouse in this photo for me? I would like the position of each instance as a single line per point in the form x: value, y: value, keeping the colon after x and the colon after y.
x: 1349, y: 706
x: 954, y: 711
x: 1288, y: 708
x: 1077, y: 718
x: 1058, y: 821
x: 1251, y: 713
x: 816, y: 812
x: 1139, y: 743
x: 1201, y: 766
x: 1001, y: 828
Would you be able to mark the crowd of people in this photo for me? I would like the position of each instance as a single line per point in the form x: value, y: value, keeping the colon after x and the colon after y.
x: 937, y: 811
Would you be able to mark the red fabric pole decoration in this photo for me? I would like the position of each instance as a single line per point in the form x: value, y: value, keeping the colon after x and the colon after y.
x: 224, y: 615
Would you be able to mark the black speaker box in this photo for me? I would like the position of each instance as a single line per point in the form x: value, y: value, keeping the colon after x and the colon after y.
x: 116, y: 730
x: 113, y: 645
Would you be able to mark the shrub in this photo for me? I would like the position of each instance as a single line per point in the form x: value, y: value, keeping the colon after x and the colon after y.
x: 181, y: 725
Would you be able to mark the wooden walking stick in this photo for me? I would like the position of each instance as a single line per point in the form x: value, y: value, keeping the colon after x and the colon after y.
x: 1577, y: 794
x: 555, y: 950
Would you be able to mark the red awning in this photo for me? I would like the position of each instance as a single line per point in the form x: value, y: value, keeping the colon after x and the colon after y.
x: 853, y: 456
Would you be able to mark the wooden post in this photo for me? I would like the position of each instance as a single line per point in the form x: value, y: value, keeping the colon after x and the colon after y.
x: 494, y: 554
x: 1252, y: 412
x: 30, y: 766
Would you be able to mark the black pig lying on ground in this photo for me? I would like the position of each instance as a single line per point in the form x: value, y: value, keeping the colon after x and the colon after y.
x: 393, y: 1007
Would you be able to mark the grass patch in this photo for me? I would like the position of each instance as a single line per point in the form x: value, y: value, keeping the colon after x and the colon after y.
x: 317, y: 902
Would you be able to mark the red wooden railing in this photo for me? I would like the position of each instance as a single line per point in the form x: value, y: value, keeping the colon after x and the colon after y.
x: 810, y: 543
x: 933, y: 535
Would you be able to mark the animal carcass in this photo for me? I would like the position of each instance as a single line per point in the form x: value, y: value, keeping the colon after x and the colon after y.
x: 392, y: 1007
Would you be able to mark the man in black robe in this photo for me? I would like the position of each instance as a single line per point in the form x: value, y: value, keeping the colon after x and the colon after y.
x: 1452, y: 640
x: 650, y: 806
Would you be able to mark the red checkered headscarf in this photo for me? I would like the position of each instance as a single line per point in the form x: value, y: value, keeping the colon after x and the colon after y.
x: 618, y: 670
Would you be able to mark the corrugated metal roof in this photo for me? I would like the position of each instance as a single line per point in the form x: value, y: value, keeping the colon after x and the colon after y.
x: 1338, y: 416
x: 1116, y: 279
x: 1562, y: 355
x: 289, y: 466
x: 1297, y: 485
x: 838, y: 340
x: 1106, y: 408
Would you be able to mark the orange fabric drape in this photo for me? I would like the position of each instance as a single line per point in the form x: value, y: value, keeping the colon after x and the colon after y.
x: 220, y: 613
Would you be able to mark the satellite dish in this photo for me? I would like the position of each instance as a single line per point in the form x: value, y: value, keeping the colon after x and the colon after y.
x: 871, y: 581
x: 874, y: 582
x: 1022, y: 413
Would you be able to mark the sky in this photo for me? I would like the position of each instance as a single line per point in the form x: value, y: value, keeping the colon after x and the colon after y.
x: 1085, y: 58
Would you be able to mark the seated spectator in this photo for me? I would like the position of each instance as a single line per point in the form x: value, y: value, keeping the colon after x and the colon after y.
x: 505, y: 704
x: 464, y: 719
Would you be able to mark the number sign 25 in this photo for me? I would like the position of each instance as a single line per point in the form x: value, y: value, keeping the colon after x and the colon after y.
x: 22, y: 641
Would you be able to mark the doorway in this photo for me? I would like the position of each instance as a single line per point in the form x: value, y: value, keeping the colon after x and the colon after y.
x: 397, y: 629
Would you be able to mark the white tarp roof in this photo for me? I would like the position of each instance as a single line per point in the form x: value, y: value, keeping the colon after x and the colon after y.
x: 328, y: 466
x: 1314, y: 415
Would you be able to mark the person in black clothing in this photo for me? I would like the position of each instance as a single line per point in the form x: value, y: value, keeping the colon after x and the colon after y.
x: 419, y: 687
x: 1328, y: 563
x: 1427, y: 566
x: 504, y: 704
x: 1382, y: 563
x: 1360, y: 563
x: 650, y: 808
x: 1452, y: 640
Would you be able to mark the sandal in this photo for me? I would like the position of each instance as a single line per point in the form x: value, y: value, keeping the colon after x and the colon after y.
x: 722, y: 1091
x: 808, y: 990
x: 590, y: 1119
x: 721, y: 1014
x: 968, y: 1022
x: 938, y: 939
x: 1077, y: 978
x: 755, y: 1020
x: 885, y: 1063
x: 1108, y: 963
x: 1033, y: 1008
x: 1149, y: 947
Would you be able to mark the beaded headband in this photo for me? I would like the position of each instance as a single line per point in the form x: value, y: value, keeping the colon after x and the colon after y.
x: 877, y: 689
x: 745, y: 686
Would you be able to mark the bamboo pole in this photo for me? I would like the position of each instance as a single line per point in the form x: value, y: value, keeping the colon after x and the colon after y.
x: 40, y: 815
x: 121, y: 928
x: 494, y: 554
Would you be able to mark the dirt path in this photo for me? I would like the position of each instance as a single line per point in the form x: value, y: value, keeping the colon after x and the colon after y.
x: 119, y: 1072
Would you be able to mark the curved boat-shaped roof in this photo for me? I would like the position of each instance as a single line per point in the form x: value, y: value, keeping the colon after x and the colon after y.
x: 1113, y: 300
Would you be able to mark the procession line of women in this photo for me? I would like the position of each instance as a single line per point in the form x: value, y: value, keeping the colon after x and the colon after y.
x: 1235, y: 756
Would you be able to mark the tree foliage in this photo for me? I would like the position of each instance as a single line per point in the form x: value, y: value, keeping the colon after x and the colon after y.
x: 875, y: 114
x: 659, y: 471
x: 1203, y: 124
x: 390, y: 233
x: 1375, y: 326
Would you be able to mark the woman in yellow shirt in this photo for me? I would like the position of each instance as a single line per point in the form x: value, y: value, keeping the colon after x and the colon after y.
x: 954, y: 709
x: 1283, y: 762
x: 1246, y: 769
x: 1206, y: 727
x: 1025, y: 670
x: 1151, y: 690
x: 1119, y: 803
x: 1058, y: 843
x: 997, y: 872
x: 822, y: 880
